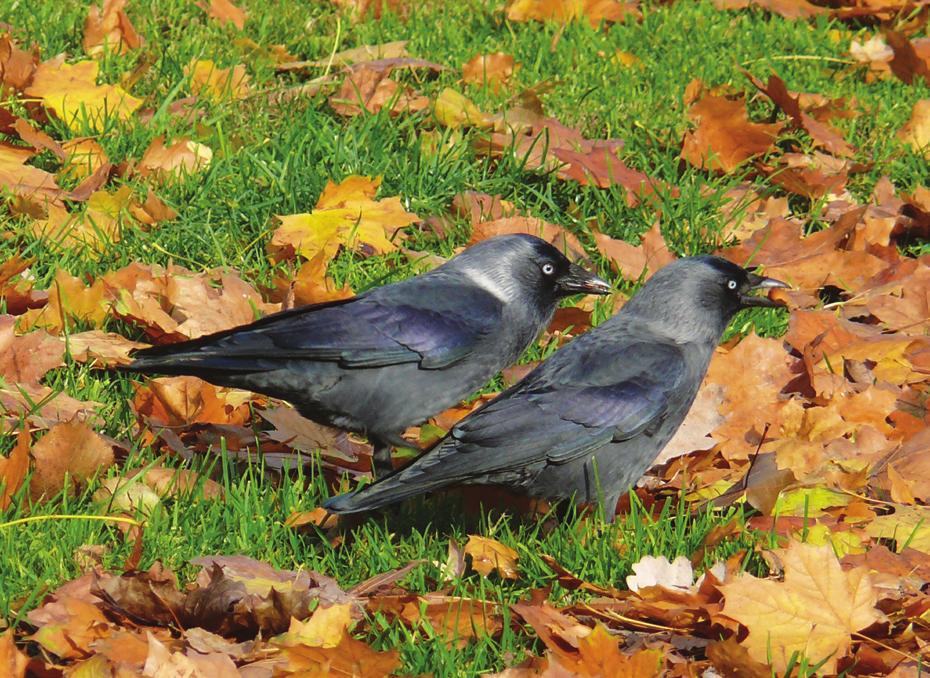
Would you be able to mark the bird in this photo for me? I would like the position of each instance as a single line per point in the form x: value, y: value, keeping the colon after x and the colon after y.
x: 589, y: 420
x: 395, y: 355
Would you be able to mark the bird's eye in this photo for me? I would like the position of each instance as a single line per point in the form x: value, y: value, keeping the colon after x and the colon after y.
x: 731, y: 284
x: 548, y: 269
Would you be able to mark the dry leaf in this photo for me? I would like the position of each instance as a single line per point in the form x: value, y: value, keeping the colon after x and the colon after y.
x: 916, y: 131
x: 225, y: 12
x: 724, y: 137
x: 182, y: 158
x: 490, y: 70
x: 72, y: 92
x: 489, y: 555
x: 70, y: 451
x: 109, y: 30
x: 814, y: 611
x: 12, y: 474
x: 217, y: 84
x: 346, y: 215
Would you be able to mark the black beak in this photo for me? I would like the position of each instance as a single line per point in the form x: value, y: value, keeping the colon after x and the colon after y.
x: 757, y: 282
x: 579, y: 281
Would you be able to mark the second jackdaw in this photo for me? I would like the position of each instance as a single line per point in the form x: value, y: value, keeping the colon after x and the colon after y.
x: 395, y: 355
x: 591, y: 419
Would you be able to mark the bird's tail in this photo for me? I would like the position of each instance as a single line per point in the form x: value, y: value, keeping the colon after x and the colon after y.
x: 404, y: 484
x: 197, y: 357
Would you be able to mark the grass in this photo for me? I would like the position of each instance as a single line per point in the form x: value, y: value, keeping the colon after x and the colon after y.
x: 276, y: 159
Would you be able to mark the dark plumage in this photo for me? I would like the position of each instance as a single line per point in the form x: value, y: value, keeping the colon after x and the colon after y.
x: 591, y: 419
x: 398, y: 354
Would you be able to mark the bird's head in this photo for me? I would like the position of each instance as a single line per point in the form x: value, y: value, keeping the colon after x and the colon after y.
x: 702, y: 294
x: 523, y: 267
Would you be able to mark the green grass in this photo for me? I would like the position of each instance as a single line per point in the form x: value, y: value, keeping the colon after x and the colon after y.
x: 276, y: 159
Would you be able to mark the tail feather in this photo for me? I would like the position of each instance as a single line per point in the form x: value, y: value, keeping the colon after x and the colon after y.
x: 404, y: 484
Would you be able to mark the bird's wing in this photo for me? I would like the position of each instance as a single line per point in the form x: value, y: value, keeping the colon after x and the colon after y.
x: 372, y: 330
x: 560, y: 420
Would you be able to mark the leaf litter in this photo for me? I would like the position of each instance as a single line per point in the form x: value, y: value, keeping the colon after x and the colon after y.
x: 825, y: 439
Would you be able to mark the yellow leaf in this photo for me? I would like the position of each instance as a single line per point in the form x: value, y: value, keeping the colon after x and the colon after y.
x: 809, y: 501
x: 452, y: 109
x: 346, y: 215
x: 219, y: 84
x: 908, y: 526
x: 813, y: 612
x: 489, y: 554
x: 71, y: 90
x: 916, y: 131
x: 325, y: 628
x: 843, y: 543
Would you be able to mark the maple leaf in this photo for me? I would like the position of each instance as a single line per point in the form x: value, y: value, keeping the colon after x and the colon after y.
x: 217, y: 84
x: 13, y: 472
x: 182, y: 158
x: 558, y: 236
x: 70, y: 451
x: 26, y: 359
x: 634, y: 262
x: 370, y: 88
x: 491, y: 70
x: 908, y: 527
x: 564, y: 11
x: 94, y: 229
x: 68, y: 625
x: 181, y: 401
x: 453, y: 109
x: 724, y: 137
x: 17, y: 66
x: 83, y: 157
x: 346, y: 215
x: 326, y: 627
x: 12, y: 661
x: 813, y: 611
x: 489, y: 555
x: 27, y: 181
x: 225, y: 12
x: 916, y: 131
x: 789, y: 9
x: 109, y: 30
x: 72, y: 92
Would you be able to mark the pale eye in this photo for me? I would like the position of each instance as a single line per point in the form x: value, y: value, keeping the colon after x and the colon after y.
x: 731, y: 285
x: 548, y: 269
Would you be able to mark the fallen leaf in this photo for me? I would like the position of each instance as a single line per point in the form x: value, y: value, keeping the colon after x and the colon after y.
x: 558, y: 236
x: 814, y: 611
x: 564, y: 11
x: 72, y: 92
x: 658, y: 571
x: 724, y: 138
x: 12, y: 661
x: 69, y: 454
x: 26, y: 359
x: 182, y: 401
x: 490, y: 70
x: 326, y: 627
x: 26, y: 181
x: 225, y: 12
x: 489, y: 555
x: 108, y: 30
x: 346, y: 215
x: 13, y: 469
x: 633, y: 262
x: 916, y: 131
x: 217, y: 84
x: 182, y: 158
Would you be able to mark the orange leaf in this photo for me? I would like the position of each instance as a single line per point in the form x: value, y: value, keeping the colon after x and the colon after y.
x: 489, y: 555
x: 69, y: 451
x: 12, y: 474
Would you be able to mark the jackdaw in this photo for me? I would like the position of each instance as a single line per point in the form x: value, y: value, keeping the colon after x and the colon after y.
x: 395, y: 355
x: 588, y: 421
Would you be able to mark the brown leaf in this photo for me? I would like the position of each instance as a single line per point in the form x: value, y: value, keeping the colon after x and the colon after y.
x: 564, y: 11
x: 102, y: 348
x: 26, y: 359
x: 70, y: 451
x: 371, y: 89
x: 13, y: 471
x: 109, y: 30
x: 181, y: 401
x: 310, y: 437
x: 916, y: 131
x: 557, y: 235
x: 906, y: 64
x: 183, y: 158
x: 350, y: 658
x: 38, y: 139
x: 789, y: 9
x: 25, y: 181
x: 732, y: 660
x: 821, y: 134
x: 67, y: 626
x: 12, y: 661
x: 724, y: 137
x: 17, y: 66
x: 490, y: 70
x: 814, y: 611
x: 225, y: 12
x: 633, y: 262
x: 489, y: 555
